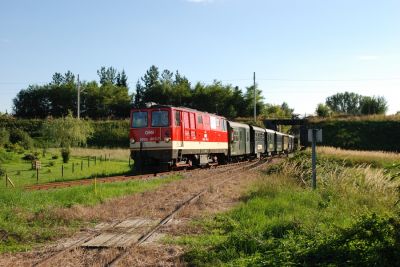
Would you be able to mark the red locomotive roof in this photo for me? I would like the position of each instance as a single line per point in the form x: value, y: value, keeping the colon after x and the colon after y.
x: 178, y: 108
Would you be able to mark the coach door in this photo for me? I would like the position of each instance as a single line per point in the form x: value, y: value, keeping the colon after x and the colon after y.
x: 192, y: 127
x: 179, y: 131
x: 186, y: 126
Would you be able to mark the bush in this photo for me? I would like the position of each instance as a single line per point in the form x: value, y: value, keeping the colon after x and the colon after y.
x: 4, y: 156
x: 22, y: 138
x: 65, y: 154
x: 17, y: 148
x: 2, y: 171
x: 29, y: 157
x: 110, y: 134
x: 381, y: 135
x: 113, y: 133
x: 4, y: 137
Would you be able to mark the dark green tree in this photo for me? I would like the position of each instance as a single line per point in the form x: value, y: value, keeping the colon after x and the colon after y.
x: 139, y: 96
x: 373, y: 105
x: 249, y: 99
x: 107, y: 75
x: 278, y: 111
x: 345, y: 103
x: 181, y: 90
x: 58, y: 79
x: 122, y: 79
x: 33, y: 102
x: 69, y: 78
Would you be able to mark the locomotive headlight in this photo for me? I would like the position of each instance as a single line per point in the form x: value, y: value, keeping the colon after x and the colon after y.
x: 133, y: 141
x: 167, y: 139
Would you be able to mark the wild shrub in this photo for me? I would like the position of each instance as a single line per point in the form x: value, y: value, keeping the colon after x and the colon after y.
x: 22, y: 138
x: 29, y: 157
x: 361, y: 133
x: 4, y: 137
x: 65, y: 154
x: 4, y: 156
x: 2, y: 170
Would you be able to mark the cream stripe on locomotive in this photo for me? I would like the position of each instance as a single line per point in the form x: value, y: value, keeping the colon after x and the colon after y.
x: 179, y: 145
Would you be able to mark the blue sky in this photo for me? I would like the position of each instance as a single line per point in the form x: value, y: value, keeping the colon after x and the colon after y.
x: 301, y: 50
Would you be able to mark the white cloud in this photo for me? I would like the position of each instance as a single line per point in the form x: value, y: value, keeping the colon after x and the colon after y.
x: 368, y: 57
x: 5, y: 41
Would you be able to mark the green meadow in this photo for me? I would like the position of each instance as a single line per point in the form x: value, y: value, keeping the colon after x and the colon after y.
x: 84, y: 163
x: 352, y: 219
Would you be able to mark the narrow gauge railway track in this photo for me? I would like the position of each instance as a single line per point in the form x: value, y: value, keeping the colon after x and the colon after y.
x: 227, y: 172
x: 120, y: 178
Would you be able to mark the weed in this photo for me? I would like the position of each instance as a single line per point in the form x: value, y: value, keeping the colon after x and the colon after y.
x: 350, y: 220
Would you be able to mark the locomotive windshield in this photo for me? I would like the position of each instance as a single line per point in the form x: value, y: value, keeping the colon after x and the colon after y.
x: 159, y: 119
x: 139, y: 119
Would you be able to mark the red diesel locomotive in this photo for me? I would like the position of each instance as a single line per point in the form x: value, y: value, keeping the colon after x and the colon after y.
x: 176, y: 136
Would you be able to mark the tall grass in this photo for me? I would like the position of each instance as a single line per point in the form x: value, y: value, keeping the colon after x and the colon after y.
x: 113, y: 153
x: 350, y: 220
x: 362, y: 155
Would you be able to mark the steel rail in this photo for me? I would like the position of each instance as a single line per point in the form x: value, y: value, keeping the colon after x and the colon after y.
x: 225, y: 169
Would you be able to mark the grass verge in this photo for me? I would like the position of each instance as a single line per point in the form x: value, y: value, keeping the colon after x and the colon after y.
x: 28, y: 218
x: 352, y: 219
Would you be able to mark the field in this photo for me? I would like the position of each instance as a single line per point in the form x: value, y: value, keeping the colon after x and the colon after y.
x: 28, y: 218
x: 84, y: 163
x: 352, y: 219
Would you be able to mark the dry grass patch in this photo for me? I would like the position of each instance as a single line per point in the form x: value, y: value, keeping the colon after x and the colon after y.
x: 369, y: 155
x: 113, y: 153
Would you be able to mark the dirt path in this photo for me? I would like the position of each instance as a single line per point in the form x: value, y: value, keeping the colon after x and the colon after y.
x: 152, y: 205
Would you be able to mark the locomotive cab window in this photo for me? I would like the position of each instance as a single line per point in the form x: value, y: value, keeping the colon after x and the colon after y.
x: 199, y: 119
x: 139, y: 119
x: 159, y: 118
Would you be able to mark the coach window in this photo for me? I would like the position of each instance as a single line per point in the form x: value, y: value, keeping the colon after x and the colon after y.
x: 199, y: 119
x: 139, y: 119
x: 177, y: 118
x: 224, y: 125
x: 159, y: 118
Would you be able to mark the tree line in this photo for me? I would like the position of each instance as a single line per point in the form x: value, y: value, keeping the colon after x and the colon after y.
x: 349, y: 103
x: 110, y: 98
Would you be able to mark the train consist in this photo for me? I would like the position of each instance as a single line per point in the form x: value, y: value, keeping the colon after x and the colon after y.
x: 176, y: 136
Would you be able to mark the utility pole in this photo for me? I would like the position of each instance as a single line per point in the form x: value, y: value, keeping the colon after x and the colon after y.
x: 78, y: 113
x: 314, y: 159
x: 255, y: 97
